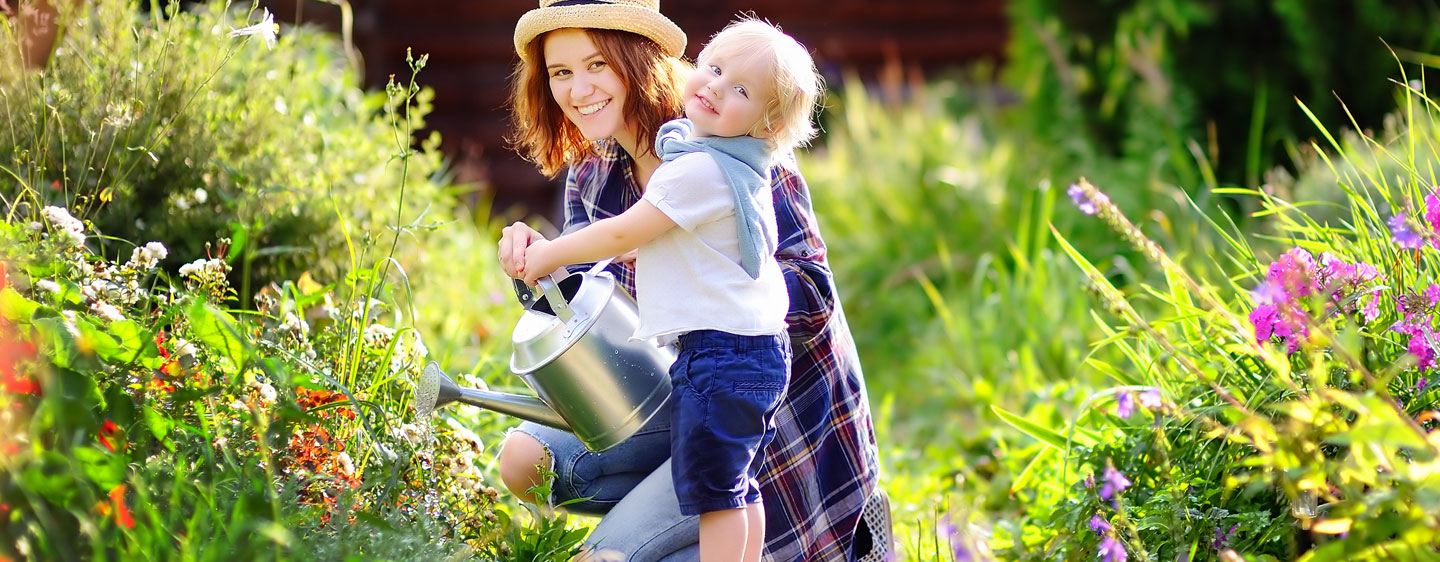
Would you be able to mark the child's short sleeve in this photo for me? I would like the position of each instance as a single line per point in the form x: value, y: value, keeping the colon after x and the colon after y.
x: 691, y: 190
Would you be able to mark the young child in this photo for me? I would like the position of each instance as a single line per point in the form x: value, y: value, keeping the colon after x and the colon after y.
x: 712, y: 286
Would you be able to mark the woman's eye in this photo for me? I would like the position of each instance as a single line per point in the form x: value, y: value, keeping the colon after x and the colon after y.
x: 560, y: 73
x: 597, y: 65
x: 715, y: 69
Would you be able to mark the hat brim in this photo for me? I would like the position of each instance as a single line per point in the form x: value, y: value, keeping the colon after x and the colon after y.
x: 635, y: 19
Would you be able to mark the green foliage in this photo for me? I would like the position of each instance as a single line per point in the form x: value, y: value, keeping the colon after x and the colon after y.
x: 159, y: 125
x: 1283, y: 410
x: 1142, y: 75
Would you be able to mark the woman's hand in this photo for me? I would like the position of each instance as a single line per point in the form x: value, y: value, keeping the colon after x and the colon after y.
x: 514, y: 241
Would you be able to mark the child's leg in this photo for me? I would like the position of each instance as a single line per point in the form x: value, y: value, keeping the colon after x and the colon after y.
x: 755, y: 535
x: 725, y: 537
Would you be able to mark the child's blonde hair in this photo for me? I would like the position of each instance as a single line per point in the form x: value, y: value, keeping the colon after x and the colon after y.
x: 796, y: 84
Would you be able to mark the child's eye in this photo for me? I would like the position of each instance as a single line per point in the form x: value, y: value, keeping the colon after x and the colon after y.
x: 715, y: 69
x: 741, y: 91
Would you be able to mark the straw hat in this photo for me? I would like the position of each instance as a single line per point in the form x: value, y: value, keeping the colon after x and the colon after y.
x: 636, y: 16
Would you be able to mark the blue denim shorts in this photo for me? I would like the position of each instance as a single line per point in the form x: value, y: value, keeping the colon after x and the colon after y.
x: 726, y: 388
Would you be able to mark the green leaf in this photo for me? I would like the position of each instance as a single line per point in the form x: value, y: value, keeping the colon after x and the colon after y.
x: 16, y: 308
x: 51, y: 478
x: 96, y: 340
x: 133, y: 339
x: 216, y: 329
x: 1380, y: 424
x: 105, y: 469
x: 158, y: 423
x: 1044, y: 434
x: 57, y: 341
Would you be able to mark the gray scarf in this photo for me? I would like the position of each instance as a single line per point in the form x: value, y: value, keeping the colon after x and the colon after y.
x: 745, y: 161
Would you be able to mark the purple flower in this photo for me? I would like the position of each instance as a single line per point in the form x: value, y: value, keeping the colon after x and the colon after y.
x: 1422, y: 338
x: 1405, y: 237
x: 1150, y: 399
x: 1125, y: 404
x: 1280, y: 299
x: 1099, y: 525
x: 1432, y: 215
x: 1077, y: 195
x: 1432, y: 294
x: 958, y: 545
x: 1111, y: 550
x: 1113, y: 483
x: 1421, y: 384
x: 1222, y: 537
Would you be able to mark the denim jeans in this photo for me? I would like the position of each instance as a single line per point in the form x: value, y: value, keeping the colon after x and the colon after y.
x: 630, y: 486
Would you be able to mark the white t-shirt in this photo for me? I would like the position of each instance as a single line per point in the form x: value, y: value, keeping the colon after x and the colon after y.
x: 690, y: 277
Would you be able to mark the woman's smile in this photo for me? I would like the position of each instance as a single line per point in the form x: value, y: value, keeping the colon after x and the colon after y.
x: 592, y: 108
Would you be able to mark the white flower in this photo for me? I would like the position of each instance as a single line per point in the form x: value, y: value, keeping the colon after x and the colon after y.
x: 378, y: 335
x: 266, y: 29
x: 347, y: 467
x: 107, y: 311
x: 410, y: 433
x: 35, y: 225
x: 294, y: 325
x: 70, y: 226
x: 267, y: 393
x: 184, y: 348
x: 203, y: 270
x: 47, y: 286
x: 148, y: 256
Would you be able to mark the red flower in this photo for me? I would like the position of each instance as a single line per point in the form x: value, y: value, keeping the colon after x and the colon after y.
x: 122, y: 513
x: 13, y: 350
x: 3, y: 281
x: 160, y: 344
x: 108, y: 431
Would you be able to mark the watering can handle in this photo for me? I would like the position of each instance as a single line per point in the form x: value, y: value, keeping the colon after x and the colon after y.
x: 555, y: 298
x: 600, y: 266
x: 523, y: 292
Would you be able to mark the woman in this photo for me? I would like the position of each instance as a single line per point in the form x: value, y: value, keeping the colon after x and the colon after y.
x: 596, y: 80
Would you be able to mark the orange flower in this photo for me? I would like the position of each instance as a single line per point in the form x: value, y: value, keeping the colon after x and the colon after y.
x: 158, y: 383
x: 122, y: 513
x: 13, y: 350
x: 108, y: 432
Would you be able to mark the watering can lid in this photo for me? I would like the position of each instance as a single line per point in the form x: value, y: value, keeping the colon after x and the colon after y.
x: 539, y: 337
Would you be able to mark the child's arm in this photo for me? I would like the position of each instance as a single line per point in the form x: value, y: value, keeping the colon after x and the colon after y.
x: 604, y: 238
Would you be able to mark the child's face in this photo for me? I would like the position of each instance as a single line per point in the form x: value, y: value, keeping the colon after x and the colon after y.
x: 727, y: 94
x: 584, y: 85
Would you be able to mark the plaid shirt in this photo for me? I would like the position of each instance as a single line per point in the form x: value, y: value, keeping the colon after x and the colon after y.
x: 823, y: 463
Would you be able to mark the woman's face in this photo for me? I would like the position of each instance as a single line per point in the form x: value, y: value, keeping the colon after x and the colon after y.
x: 584, y: 84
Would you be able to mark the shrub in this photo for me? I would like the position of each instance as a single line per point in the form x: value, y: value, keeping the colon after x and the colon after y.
x: 1279, y: 410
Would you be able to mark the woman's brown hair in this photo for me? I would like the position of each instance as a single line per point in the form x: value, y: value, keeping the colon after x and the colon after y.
x: 542, y: 134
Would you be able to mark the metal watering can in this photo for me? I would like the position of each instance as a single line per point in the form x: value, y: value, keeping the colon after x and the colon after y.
x: 572, y: 348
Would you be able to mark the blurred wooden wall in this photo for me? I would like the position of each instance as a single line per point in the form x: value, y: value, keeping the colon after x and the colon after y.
x: 471, y: 57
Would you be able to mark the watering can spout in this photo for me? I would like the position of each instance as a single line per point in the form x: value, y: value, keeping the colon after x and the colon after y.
x: 435, y: 390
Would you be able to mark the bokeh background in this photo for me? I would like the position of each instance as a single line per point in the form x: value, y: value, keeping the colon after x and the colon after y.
x: 1059, y: 369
